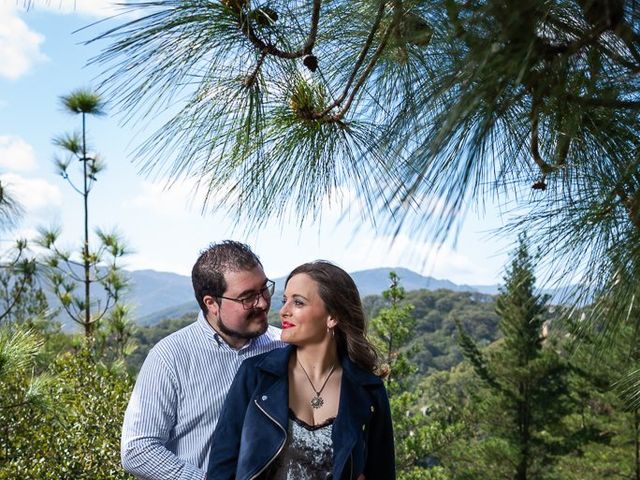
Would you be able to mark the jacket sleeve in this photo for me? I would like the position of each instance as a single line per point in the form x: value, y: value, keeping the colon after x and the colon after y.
x: 381, y: 459
x: 148, y: 421
x: 225, y: 445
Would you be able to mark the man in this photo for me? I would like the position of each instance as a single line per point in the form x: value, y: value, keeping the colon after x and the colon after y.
x: 183, y: 382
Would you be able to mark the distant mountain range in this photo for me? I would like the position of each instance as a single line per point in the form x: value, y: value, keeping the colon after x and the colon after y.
x: 156, y: 296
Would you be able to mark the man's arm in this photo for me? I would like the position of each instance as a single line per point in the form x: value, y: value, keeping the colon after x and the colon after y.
x: 148, y: 421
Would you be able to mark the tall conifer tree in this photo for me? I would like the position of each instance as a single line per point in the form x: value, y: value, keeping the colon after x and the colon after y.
x: 524, y: 384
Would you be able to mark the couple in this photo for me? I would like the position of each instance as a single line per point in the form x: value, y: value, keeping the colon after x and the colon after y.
x: 311, y: 410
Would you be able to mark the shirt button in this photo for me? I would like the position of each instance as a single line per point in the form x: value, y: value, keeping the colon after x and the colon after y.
x: 363, y: 427
x: 372, y: 409
x: 264, y: 397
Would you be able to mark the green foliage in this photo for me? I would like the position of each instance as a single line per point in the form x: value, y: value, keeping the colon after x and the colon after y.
x: 115, y: 341
x: 18, y: 348
x: 79, y: 438
x: 416, y: 435
x: 10, y: 209
x: 524, y: 393
x: 21, y: 392
x: 83, y: 101
x: 22, y: 300
x: 608, y: 432
x: 391, y: 329
x: 432, y: 339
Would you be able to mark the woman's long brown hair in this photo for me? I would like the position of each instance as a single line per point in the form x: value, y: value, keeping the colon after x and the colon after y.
x: 340, y: 295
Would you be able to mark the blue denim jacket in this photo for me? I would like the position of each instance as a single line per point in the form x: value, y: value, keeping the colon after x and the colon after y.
x: 252, y: 429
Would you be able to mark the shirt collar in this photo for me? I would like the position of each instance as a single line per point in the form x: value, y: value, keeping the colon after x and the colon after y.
x: 215, y: 338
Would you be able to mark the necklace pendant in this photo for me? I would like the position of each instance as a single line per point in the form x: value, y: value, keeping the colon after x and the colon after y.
x: 317, y: 402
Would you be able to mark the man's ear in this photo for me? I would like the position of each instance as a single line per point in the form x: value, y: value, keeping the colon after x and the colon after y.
x: 212, y: 305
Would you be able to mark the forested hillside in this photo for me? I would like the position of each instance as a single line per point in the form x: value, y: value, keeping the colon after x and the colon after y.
x: 436, y: 312
x: 434, y: 338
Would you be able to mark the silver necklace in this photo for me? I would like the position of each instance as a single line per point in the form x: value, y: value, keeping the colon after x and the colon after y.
x: 317, y: 401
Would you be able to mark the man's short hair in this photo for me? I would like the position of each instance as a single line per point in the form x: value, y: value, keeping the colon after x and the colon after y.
x: 208, y: 272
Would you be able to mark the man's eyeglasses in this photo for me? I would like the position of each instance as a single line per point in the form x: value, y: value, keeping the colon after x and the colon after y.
x: 251, y: 300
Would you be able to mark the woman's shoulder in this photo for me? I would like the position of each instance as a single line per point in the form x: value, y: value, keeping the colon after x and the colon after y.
x: 273, y: 361
x: 357, y: 374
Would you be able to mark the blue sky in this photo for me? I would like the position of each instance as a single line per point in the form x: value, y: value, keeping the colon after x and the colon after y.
x: 41, y: 59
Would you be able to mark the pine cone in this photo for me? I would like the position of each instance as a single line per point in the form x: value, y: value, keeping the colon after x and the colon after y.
x: 311, y: 62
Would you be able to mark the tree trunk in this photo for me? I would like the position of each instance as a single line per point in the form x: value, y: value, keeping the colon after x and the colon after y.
x: 524, y: 427
x: 88, y: 330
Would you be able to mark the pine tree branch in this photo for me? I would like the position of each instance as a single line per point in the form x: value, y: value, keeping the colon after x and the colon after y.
x: 367, y: 71
x: 271, y: 49
x: 359, y: 61
x: 252, y: 77
x: 96, y: 318
x: 24, y: 403
x: 16, y: 298
x: 72, y: 314
x: 545, y: 168
x: 471, y: 352
x: 631, y: 204
x: 605, y: 102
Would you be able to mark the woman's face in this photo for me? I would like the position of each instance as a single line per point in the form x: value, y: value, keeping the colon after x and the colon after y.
x: 303, y: 314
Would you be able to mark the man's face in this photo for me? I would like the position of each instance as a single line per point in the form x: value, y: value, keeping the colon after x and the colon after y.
x: 230, y: 318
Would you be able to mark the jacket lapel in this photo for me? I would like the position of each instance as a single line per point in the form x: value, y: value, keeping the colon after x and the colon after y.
x: 273, y: 395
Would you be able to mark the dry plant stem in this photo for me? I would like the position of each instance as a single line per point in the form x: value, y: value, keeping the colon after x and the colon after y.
x: 270, y: 49
x: 313, y: 31
x: 359, y: 60
x: 564, y: 143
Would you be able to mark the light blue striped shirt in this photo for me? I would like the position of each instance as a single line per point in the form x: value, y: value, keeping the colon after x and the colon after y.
x: 177, y: 399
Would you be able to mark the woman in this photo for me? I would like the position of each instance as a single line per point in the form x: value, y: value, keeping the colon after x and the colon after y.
x: 315, y: 409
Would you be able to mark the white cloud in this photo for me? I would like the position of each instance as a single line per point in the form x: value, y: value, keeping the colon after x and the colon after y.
x: 19, y: 46
x: 16, y: 155
x: 432, y: 259
x: 32, y: 193
x: 94, y: 8
x: 27, y: 232
x: 175, y: 264
x: 174, y: 201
